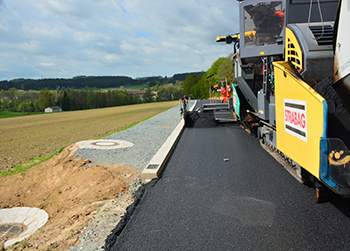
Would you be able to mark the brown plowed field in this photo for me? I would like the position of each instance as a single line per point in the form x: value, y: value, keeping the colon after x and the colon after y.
x: 26, y: 137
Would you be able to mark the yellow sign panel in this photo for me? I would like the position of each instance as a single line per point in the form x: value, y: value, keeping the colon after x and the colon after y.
x: 295, y: 118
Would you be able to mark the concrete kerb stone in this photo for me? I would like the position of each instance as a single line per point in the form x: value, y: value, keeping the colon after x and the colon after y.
x: 156, y: 164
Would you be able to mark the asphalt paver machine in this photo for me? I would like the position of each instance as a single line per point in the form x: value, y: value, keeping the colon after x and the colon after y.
x: 292, y: 89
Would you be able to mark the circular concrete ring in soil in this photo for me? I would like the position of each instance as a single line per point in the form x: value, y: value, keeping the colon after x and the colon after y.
x: 18, y: 223
x: 104, y: 144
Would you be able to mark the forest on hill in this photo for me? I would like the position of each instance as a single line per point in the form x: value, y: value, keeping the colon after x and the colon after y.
x: 90, y: 82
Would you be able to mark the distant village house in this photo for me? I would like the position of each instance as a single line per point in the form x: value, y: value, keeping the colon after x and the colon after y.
x: 53, y: 109
x: 136, y: 92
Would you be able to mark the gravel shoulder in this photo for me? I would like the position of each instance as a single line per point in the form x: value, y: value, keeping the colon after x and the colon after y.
x: 147, y: 137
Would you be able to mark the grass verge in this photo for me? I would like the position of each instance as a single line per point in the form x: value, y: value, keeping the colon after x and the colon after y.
x: 4, y: 115
x: 23, y: 166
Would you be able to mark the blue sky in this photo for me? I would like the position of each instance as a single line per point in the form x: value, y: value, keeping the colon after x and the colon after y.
x: 136, y: 38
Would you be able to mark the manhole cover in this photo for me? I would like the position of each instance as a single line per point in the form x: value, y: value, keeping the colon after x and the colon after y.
x: 10, y: 230
x: 18, y: 223
x: 104, y: 143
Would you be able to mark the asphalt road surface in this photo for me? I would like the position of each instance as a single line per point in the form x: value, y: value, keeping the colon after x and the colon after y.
x: 249, y: 202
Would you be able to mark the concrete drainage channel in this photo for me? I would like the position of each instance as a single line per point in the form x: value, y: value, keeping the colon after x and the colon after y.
x: 156, y: 164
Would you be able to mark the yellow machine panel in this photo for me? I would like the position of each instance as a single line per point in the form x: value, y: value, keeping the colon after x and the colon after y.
x: 300, y: 118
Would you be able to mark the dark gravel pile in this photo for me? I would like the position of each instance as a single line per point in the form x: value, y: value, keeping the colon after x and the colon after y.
x: 338, y: 115
x: 201, y: 120
x: 325, y: 89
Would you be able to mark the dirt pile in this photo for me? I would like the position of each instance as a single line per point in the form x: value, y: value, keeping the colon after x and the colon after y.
x: 338, y: 116
x: 70, y: 191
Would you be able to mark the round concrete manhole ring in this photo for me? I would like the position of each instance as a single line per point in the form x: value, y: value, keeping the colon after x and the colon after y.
x: 18, y: 223
x: 104, y: 144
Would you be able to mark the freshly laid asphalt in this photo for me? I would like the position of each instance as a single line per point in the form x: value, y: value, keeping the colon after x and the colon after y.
x: 248, y: 202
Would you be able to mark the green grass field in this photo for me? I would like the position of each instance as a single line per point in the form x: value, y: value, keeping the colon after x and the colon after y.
x: 4, y: 115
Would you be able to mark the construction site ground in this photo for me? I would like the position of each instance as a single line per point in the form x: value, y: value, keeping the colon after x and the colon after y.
x: 85, y: 200
x: 70, y: 193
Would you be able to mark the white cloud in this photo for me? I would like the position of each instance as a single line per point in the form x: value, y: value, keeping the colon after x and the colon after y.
x: 65, y: 38
x: 48, y: 64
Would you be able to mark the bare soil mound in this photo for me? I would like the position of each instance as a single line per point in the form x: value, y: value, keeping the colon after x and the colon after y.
x: 70, y: 191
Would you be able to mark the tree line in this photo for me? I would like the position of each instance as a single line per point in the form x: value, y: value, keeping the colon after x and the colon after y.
x: 89, y: 82
x: 14, y: 100
x: 28, y: 101
x: 198, y: 85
